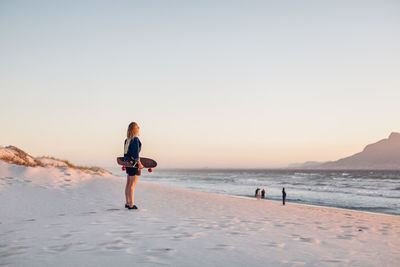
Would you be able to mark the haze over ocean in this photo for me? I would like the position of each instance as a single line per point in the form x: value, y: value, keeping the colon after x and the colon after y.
x: 211, y: 83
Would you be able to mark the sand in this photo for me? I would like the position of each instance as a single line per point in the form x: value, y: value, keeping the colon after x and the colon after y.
x: 59, y: 217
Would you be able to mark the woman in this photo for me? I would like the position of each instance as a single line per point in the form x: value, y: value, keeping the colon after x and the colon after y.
x: 132, y: 148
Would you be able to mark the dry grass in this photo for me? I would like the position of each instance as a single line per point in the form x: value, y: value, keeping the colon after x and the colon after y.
x: 23, y: 158
x: 82, y: 168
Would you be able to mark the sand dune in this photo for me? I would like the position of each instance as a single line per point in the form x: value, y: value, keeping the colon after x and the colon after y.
x: 50, y: 218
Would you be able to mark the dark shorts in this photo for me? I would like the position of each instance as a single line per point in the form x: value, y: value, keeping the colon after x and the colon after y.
x: 133, y: 171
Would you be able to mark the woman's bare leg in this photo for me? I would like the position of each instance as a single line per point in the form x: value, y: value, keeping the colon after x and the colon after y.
x: 127, y: 193
x: 132, y: 191
x: 129, y: 199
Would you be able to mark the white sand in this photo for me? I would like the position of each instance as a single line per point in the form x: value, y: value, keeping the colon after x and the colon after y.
x: 59, y: 217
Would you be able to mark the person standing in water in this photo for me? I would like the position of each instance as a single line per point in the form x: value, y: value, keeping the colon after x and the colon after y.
x: 263, y: 193
x: 257, y: 192
x: 132, y: 148
x: 283, y: 196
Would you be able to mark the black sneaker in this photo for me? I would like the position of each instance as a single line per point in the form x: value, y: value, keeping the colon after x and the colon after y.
x: 133, y: 207
x: 126, y: 206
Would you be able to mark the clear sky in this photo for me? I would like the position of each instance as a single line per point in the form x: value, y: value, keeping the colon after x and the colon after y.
x: 211, y: 83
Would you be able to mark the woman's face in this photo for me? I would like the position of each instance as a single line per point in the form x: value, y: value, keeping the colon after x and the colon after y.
x: 136, y: 130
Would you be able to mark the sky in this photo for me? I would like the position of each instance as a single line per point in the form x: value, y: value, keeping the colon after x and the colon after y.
x: 212, y: 84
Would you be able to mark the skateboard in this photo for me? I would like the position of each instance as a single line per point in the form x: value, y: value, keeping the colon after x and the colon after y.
x: 128, y: 162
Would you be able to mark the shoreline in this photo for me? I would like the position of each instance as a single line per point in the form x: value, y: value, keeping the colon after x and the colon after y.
x: 277, y: 201
x: 362, y: 191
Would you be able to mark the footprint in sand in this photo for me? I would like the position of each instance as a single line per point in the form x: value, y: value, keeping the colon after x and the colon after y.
x: 113, y: 209
x: 170, y: 227
x: 63, y: 236
x: 293, y: 263
x: 238, y: 233
x: 345, y: 237
x: 62, y: 247
x: 307, y: 239
x: 162, y: 252
x: 88, y: 213
x: 158, y: 257
x: 292, y: 223
x: 12, y: 251
x: 121, y: 231
x: 116, y: 244
x: 384, y: 232
x: 223, y: 247
x: 333, y: 261
x: 275, y: 245
x: 186, y: 236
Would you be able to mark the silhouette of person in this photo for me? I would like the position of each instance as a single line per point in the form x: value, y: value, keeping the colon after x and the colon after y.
x: 283, y: 196
x: 263, y: 193
x: 257, y: 192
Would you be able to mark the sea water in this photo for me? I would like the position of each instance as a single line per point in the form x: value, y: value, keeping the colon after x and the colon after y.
x: 373, y: 191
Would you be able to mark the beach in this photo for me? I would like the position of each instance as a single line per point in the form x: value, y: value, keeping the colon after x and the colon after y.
x: 61, y: 217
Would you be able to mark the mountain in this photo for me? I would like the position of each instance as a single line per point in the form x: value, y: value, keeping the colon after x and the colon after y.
x: 382, y: 155
x: 306, y: 164
x: 14, y: 155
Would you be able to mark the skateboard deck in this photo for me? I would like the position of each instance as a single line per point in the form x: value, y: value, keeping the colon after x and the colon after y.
x: 127, y: 162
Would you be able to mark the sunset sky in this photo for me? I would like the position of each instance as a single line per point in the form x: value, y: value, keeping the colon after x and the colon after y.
x: 211, y: 83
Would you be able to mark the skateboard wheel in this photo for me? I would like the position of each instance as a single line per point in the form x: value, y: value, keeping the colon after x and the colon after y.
x: 123, y: 168
x: 150, y: 170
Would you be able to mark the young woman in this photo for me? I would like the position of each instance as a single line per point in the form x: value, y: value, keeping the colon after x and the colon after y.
x: 132, y: 148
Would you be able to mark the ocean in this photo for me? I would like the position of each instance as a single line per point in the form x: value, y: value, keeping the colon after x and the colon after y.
x: 372, y: 191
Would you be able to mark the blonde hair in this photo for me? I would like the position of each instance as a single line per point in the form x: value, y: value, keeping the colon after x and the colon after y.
x: 129, y: 135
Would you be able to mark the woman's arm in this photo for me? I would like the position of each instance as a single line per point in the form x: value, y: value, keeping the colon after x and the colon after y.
x: 134, y: 148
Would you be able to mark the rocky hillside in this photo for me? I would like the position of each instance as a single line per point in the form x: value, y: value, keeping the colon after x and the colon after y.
x: 382, y: 155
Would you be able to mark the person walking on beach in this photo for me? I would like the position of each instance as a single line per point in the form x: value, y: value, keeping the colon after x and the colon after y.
x: 263, y: 193
x: 283, y: 196
x: 257, y: 192
x: 132, y: 148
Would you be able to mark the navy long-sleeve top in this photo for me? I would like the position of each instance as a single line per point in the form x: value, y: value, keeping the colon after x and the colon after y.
x: 134, y: 148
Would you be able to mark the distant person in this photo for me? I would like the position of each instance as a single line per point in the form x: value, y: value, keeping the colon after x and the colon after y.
x: 263, y: 193
x: 257, y: 192
x: 283, y: 196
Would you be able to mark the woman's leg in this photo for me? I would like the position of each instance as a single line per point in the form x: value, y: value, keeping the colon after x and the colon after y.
x: 128, y: 187
x: 132, y: 189
x: 127, y: 190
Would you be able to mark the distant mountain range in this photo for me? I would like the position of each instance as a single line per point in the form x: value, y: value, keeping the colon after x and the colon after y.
x: 14, y: 155
x: 382, y: 155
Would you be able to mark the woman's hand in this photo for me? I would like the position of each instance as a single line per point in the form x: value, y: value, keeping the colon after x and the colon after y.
x: 140, y: 165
